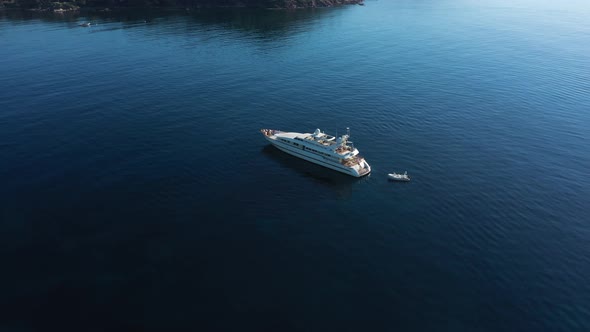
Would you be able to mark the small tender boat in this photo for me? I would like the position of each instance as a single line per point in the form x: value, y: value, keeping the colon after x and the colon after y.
x: 399, y: 177
x: 87, y: 24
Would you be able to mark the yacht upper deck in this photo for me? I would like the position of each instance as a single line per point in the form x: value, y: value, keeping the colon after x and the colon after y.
x: 334, y: 145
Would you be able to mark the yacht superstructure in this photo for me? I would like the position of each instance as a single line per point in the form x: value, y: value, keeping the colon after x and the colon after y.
x: 336, y: 153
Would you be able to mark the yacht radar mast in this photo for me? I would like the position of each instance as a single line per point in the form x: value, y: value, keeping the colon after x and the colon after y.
x: 348, y: 136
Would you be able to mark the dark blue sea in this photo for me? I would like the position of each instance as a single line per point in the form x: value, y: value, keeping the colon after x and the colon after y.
x: 137, y: 193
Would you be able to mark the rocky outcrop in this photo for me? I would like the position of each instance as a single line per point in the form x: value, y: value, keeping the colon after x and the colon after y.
x: 309, y: 3
x: 56, y: 7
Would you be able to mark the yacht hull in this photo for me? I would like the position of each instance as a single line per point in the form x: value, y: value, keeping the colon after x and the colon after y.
x: 318, y: 160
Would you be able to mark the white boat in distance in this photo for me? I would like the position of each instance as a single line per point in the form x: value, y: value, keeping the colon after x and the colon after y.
x: 399, y: 177
x: 325, y: 150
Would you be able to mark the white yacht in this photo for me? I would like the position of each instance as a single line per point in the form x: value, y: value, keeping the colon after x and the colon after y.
x: 336, y: 153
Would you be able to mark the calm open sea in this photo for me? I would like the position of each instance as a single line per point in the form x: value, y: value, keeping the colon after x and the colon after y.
x: 136, y: 193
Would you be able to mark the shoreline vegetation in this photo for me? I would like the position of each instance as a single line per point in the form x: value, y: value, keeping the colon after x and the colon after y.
x: 107, y: 5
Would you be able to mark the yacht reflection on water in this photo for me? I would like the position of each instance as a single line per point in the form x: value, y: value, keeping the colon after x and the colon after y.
x: 339, y: 182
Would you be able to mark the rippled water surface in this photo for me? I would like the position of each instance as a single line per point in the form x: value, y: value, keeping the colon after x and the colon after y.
x: 136, y: 192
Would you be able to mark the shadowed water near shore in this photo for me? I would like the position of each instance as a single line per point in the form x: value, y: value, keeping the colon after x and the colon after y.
x: 244, y: 19
x: 137, y: 192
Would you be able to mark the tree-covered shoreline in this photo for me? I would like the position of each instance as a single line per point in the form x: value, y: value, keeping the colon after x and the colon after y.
x: 48, y: 5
